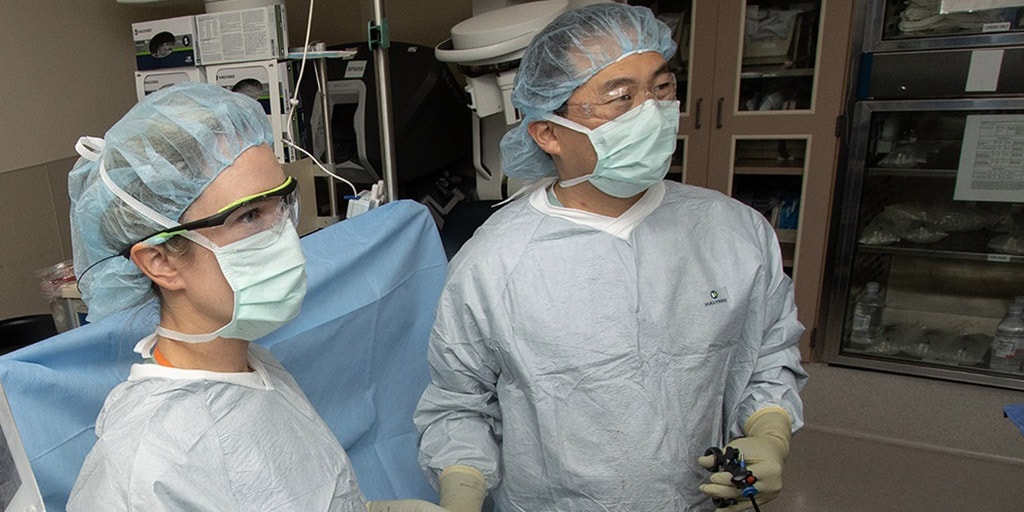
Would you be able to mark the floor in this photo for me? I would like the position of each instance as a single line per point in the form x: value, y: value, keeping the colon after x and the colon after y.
x: 876, y: 442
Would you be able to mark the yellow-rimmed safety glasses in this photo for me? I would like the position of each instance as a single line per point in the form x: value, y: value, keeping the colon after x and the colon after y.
x: 240, y: 219
x: 619, y: 100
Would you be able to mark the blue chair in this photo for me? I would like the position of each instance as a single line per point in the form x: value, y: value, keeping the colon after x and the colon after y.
x: 358, y: 350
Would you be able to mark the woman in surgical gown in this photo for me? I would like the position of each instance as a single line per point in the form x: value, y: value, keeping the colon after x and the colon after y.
x: 184, y: 201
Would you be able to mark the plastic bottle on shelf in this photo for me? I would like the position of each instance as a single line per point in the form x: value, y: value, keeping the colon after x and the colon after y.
x: 1008, y: 344
x: 867, y: 317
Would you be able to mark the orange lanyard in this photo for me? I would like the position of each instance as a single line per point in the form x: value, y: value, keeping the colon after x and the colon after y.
x: 160, y: 359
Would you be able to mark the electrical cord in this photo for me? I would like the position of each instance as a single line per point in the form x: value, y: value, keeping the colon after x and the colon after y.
x: 293, y: 102
x: 322, y: 166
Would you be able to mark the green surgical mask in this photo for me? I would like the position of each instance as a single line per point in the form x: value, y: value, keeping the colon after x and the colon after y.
x: 267, y: 272
x: 634, y: 150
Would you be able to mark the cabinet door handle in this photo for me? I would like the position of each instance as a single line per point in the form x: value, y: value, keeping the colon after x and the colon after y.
x: 696, y: 114
x: 719, y: 124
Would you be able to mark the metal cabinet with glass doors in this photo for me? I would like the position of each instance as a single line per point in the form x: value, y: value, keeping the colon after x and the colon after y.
x: 900, y: 25
x: 934, y: 213
x: 761, y: 91
x: 929, y: 210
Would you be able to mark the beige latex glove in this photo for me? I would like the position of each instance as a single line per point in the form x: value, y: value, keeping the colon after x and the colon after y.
x: 402, y: 506
x: 764, y: 449
x: 463, y: 489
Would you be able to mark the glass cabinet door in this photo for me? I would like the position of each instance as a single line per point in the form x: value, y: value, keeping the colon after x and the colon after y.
x: 692, y: 24
x: 920, y: 24
x: 779, y: 55
x: 768, y: 175
x: 759, y: 114
x: 679, y: 16
x: 934, y: 238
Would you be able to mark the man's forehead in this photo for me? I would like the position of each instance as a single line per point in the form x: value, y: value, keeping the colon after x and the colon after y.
x: 605, y: 81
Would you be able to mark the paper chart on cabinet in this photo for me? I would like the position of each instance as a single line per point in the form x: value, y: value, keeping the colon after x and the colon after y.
x: 992, y: 159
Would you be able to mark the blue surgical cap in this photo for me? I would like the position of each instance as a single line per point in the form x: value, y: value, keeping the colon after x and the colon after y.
x: 574, y: 47
x: 161, y: 156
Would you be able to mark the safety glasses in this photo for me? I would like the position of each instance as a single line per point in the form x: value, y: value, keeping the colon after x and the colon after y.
x: 242, y: 218
x: 614, y: 103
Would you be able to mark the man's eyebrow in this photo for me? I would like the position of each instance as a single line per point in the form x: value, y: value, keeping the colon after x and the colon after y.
x: 615, y: 83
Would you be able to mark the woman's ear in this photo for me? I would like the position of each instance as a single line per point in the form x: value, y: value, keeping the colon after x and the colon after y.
x: 543, y: 133
x: 158, y: 266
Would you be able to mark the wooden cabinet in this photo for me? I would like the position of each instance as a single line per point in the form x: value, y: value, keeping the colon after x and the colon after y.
x: 762, y: 86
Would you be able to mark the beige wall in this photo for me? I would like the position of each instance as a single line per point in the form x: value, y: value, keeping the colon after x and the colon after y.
x: 67, y: 71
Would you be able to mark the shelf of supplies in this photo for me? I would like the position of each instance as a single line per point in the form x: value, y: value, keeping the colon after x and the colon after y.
x: 321, y: 54
x: 935, y: 338
x: 756, y: 73
x: 907, y: 358
x: 957, y: 246
x: 961, y: 32
x: 926, y: 173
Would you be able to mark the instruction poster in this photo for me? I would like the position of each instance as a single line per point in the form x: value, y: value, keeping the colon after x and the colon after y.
x: 992, y: 159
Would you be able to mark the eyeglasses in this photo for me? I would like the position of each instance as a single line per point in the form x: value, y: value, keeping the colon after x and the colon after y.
x: 620, y: 100
x: 242, y: 218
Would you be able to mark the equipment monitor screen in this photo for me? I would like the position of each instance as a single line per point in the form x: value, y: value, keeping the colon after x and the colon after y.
x: 18, y: 489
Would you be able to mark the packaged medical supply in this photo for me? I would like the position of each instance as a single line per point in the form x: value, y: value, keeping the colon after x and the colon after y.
x: 243, y: 35
x: 168, y: 43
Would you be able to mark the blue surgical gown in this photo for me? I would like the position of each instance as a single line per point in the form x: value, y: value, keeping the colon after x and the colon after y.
x: 584, y: 362
x: 175, y: 439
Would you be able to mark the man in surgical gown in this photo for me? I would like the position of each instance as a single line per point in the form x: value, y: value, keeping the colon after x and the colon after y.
x: 597, y: 335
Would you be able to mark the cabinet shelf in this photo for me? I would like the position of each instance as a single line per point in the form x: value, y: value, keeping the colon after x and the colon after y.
x: 957, y: 246
x: 744, y: 166
x: 905, y: 358
x: 896, y: 171
x: 756, y: 73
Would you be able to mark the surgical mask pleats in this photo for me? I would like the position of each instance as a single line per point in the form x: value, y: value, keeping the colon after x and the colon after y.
x: 633, y: 151
x: 267, y: 274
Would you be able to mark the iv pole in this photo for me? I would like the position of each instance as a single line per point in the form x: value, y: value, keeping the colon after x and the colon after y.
x: 380, y: 40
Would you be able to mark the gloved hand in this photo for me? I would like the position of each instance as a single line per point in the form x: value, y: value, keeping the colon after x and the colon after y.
x: 402, y: 506
x: 764, y: 449
x: 462, y: 488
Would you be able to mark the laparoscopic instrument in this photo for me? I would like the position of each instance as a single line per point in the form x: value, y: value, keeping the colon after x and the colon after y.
x: 731, y: 460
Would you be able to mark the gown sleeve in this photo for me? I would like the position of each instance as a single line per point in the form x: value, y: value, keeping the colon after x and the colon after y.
x: 458, y: 417
x: 777, y: 375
